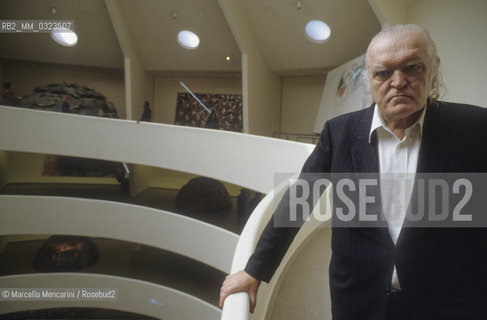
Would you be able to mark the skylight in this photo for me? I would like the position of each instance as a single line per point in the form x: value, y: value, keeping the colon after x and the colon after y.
x: 188, y: 40
x: 317, y: 31
x: 65, y: 37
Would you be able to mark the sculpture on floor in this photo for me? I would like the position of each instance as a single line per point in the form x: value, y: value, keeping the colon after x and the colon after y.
x: 203, y: 195
x: 66, y: 253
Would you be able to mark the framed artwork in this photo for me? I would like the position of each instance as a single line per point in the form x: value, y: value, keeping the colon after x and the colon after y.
x: 226, y: 111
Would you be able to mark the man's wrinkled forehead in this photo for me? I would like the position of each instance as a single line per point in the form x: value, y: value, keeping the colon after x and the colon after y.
x: 396, y: 46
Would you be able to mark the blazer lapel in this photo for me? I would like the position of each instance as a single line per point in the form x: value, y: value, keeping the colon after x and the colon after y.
x: 365, y: 160
x: 433, y: 157
x: 364, y: 154
x: 433, y: 154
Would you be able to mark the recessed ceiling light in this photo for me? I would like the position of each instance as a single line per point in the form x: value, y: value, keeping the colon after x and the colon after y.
x: 317, y: 31
x: 228, y: 58
x: 65, y: 37
x: 188, y: 40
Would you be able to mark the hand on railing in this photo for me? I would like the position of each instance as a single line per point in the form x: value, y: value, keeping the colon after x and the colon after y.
x: 238, y: 282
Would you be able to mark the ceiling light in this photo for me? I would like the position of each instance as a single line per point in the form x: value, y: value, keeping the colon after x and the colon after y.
x: 188, y: 40
x: 317, y: 31
x: 65, y: 37
x: 228, y: 58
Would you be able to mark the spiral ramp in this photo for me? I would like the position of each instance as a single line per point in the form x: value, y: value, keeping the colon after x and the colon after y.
x: 244, y: 160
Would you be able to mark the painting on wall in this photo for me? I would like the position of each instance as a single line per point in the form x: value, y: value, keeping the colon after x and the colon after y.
x: 219, y: 111
x: 346, y: 90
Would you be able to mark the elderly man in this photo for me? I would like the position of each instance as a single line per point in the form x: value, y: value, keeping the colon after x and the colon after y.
x: 395, y: 272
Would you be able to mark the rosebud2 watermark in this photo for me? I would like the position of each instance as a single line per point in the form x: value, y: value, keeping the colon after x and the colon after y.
x: 372, y: 200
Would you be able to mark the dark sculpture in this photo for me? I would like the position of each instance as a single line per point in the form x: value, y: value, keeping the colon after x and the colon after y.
x: 66, y: 253
x: 84, y: 100
x: 203, y: 195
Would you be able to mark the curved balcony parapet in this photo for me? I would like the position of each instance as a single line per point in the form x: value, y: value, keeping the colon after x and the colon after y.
x: 236, y: 306
x: 131, y: 295
x: 242, y: 159
x: 195, y: 239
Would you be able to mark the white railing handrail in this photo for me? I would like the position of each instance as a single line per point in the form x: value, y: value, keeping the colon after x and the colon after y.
x: 236, y: 306
x: 183, y: 235
x: 133, y: 295
x: 246, y: 160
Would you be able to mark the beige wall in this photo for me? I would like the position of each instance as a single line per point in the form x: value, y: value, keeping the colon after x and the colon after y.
x: 459, y: 30
x: 25, y: 77
x: 166, y: 91
x: 264, y: 96
x: 141, y: 86
x: 301, y: 98
x: 3, y: 168
x: 1, y: 74
x: 23, y: 167
x: 390, y: 12
x: 261, y: 88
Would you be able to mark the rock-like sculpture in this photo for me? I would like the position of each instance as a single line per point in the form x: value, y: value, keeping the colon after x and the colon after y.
x: 84, y: 100
x: 203, y: 195
x: 66, y: 253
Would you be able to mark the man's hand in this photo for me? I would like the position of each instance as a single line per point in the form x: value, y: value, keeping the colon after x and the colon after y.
x: 237, y: 282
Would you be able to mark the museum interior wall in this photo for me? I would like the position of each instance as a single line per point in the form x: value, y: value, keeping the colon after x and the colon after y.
x: 458, y: 28
x: 300, y: 102
x: 276, y: 103
x: 26, y: 76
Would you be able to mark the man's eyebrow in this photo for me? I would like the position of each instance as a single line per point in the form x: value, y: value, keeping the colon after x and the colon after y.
x: 415, y: 60
x: 386, y: 65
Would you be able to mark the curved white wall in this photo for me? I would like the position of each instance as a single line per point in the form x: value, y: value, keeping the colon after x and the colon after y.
x: 242, y: 159
x: 303, y: 291
x: 97, y: 218
x: 133, y: 296
x: 246, y: 160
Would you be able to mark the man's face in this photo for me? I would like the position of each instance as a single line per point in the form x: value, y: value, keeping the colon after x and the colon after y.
x: 400, y: 74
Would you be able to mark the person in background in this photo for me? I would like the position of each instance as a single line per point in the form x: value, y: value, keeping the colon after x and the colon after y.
x: 147, y: 114
x: 65, y: 106
x: 8, y: 96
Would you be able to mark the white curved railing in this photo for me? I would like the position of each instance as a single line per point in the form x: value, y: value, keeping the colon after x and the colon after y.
x: 236, y: 306
x: 134, y: 296
x: 246, y: 160
x: 98, y: 218
x: 242, y: 159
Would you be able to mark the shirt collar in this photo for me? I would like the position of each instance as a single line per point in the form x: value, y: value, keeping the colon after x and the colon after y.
x: 378, y: 121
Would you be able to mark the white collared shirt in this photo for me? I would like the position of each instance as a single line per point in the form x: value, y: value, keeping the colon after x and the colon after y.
x: 398, y: 161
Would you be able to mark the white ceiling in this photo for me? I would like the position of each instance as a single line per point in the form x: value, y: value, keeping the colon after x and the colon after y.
x: 154, y: 32
x: 97, y: 45
x: 277, y: 26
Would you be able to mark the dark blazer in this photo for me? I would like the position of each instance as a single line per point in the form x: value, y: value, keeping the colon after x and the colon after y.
x: 442, y: 271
